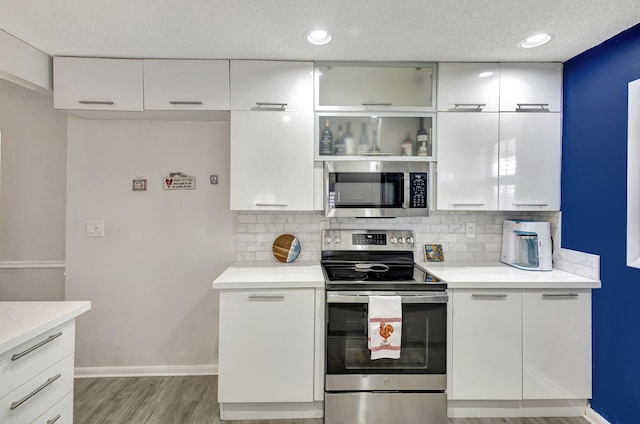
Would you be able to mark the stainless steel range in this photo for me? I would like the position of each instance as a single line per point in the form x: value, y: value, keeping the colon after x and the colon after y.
x: 358, y: 264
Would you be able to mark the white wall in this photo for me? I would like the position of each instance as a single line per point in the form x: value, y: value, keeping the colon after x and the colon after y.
x: 150, y: 276
x: 32, y: 193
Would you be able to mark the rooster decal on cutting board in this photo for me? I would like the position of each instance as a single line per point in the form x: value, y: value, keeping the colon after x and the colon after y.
x: 385, y: 331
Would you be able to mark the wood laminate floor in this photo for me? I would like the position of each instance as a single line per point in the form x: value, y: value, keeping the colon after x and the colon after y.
x: 192, y: 400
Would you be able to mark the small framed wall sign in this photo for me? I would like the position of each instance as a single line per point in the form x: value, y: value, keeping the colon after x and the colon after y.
x: 139, y: 184
x: 433, y: 253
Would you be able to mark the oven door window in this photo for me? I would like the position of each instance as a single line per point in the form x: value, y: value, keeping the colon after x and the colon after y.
x: 423, y: 348
x: 370, y: 190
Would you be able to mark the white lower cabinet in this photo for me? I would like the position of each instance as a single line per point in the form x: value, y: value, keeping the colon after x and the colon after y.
x: 266, y: 346
x: 521, y: 344
x: 487, y: 348
x: 272, y: 160
x: 556, y: 344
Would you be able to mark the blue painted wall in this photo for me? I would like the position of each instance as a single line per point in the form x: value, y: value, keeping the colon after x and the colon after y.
x: 594, y: 181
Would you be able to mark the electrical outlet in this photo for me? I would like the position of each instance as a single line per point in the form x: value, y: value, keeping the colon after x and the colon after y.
x: 213, y: 179
x: 471, y: 230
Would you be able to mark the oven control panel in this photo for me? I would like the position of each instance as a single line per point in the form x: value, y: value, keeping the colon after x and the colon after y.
x: 368, y: 240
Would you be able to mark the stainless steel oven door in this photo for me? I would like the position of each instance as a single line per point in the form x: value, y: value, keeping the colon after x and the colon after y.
x: 422, y: 363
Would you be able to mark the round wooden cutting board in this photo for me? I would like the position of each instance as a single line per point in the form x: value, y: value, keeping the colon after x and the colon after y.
x: 286, y: 248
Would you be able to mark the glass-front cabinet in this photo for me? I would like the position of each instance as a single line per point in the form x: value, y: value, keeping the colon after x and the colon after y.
x: 361, y: 135
x: 375, y: 86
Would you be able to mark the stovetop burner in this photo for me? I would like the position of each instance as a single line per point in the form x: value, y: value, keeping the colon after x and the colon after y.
x: 373, y: 260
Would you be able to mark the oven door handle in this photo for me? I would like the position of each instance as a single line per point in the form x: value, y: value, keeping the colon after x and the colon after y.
x: 436, y: 297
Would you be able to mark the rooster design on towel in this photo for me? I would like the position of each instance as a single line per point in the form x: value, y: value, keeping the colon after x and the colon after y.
x: 385, y: 332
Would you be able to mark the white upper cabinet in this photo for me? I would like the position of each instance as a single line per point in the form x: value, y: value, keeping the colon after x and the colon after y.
x: 530, y: 161
x: 271, y: 85
x: 367, y: 86
x: 271, y: 161
x: 530, y: 87
x: 97, y: 84
x: 467, y: 161
x: 468, y: 87
x: 186, y: 84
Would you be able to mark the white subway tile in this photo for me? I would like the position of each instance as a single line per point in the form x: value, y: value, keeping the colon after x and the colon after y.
x: 246, y: 219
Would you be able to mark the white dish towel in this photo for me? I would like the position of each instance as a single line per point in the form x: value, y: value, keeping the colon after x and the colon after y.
x: 385, y: 326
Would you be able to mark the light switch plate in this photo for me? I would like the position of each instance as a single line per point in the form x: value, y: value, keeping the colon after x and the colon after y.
x: 213, y: 179
x: 94, y: 228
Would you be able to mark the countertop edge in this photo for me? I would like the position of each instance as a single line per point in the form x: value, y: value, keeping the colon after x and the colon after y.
x: 55, y: 321
x: 231, y: 278
x: 507, y: 277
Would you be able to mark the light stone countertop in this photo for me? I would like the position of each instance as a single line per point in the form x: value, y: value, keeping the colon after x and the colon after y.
x: 270, y: 275
x: 496, y: 275
x: 22, y: 321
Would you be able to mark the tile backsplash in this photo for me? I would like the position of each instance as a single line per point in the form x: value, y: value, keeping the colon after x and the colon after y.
x: 258, y: 230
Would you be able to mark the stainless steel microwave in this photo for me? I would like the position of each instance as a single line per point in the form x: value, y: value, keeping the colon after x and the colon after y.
x: 375, y: 189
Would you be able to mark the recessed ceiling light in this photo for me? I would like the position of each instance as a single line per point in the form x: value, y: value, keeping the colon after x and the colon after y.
x: 536, y: 40
x: 485, y: 74
x: 318, y: 37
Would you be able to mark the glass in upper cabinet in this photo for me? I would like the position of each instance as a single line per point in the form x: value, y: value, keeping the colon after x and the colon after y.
x: 371, y: 86
x: 355, y: 135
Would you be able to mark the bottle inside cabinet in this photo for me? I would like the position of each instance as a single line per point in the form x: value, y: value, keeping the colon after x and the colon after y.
x: 388, y: 136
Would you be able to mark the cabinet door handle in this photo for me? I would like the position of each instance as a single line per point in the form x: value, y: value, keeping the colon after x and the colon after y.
x: 266, y: 297
x: 54, y: 419
x: 96, y: 102
x: 14, y: 405
x: 532, y: 107
x: 487, y: 295
x: 467, y: 204
x: 552, y: 295
x: 530, y: 204
x: 52, y: 337
x: 282, y: 205
x: 281, y: 106
x: 377, y: 104
x: 467, y: 107
x: 178, y: 102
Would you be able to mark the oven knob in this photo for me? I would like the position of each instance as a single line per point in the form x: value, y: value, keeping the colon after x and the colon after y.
x: 328, y: 240
x: 393, y: 240
x: 409, y: 240
x: 401, y: 240
x: 336, y: 239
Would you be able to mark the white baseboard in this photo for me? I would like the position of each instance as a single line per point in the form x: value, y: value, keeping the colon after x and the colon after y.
x: 146, y: 371
x: 593, y: 417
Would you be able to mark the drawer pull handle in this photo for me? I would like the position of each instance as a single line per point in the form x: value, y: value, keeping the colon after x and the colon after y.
x: 281, y: 106
x: 376, y: 104
x: 177, y: 102
x: 499, y: 295
x: 14, y: 405
x: 559, y: 294
x: 468, y: 204
x: 532, y: 107
x: 52, y: 337
x: 281, y: 205
x: 468, y: 107
x: 54, y: 419
x: 266, y: 296
x: 96, y: 102
x: 530, y: 204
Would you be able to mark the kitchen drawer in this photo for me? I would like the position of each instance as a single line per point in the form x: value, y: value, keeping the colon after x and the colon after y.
x: 38, y: 394
x: 16, y: 372
x: 60, y: 413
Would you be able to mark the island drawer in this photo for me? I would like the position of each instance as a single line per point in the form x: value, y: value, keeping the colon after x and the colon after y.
x: 38, y: 395
x: 29, y: 359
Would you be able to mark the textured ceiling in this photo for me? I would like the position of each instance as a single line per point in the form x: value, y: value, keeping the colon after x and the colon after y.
x: 394, y: 30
